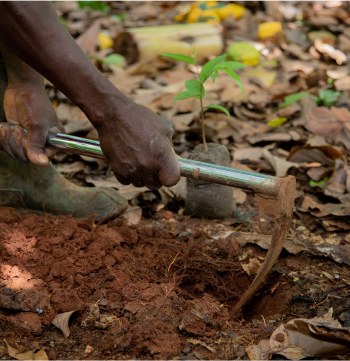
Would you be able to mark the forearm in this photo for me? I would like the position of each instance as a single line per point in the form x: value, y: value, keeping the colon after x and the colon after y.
x: 34, y: 32
x: 18, y: 72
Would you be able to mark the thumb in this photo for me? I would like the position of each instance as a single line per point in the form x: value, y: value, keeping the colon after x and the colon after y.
x: 34, y: 145
x: 169, y: 173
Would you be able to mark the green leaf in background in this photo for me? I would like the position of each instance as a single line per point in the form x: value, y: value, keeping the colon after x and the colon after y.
x: 195, y: 86
x: 114, y: 59
x: 185, y: 95
x: 293, y: 98
x: 64, y: 22
x: 204, y: 6
x: 276, y: 122
x: 180, y: 57
x: 328, y: 97
x: 218, y: 107
x: 214, y: 75
x: 229, y: 65
x: 94, y: 5
x: 235, y: 77
x: 209, y: 67
x: 120, y: 17
x: 319, y: 183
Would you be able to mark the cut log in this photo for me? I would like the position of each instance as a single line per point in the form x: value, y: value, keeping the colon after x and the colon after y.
x: 139, y: 44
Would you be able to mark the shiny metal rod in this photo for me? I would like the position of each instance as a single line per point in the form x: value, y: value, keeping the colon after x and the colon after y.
x: 211, y: 173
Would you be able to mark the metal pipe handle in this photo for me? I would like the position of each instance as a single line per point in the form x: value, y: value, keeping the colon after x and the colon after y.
x: 256, y: 182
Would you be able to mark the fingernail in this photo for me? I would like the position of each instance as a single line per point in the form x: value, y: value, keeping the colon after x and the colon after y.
x: 43, y: 158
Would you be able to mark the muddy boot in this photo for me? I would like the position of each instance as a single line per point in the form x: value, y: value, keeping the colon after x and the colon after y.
x: 42, y: 190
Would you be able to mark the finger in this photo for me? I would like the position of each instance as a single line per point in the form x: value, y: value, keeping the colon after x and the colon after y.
x: 169, y: 173
x: 57, y: 128
x: 4, y: 140
x: 15, y: 143
x: 152, y: 182
x: 34, y: 145
x: 122, y: 180
x: 138, y: 183
x: 137, y: 177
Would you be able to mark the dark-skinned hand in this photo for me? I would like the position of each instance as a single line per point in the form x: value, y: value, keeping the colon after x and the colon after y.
x: 28, y: 106
x: 137, y: 143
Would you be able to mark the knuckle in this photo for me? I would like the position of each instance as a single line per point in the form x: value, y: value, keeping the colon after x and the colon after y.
x: 169, y: 129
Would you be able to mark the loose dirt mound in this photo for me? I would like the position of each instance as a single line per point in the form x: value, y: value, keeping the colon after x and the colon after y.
x: 160, y: 290
x: 51, y: 266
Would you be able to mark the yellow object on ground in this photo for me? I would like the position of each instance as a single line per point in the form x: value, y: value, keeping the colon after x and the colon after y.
x: 210, y: 11
x: 183, y: 11
x: 207, y: 16
x: 269, y: 29
x: 235, y: 10
x: 244, y: 52
x: 104, y: 41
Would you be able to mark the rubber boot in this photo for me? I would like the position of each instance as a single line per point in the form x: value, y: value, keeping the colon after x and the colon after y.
x: 42, y: 190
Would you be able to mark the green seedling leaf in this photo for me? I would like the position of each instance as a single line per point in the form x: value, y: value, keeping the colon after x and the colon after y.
x: 185, y: 95
x: 319, y: 183
x: 180, y: 57
x: 214, y: 76
x: 293, y: 98
x: 64, y: 22
x: 229, y: 65
x: 114, y: 59
x: 195, y: 86
x: 208, y: 68
x: 328, y: 97
x: 235, y: 77
x: 218, y: 107
x: 276, y: 122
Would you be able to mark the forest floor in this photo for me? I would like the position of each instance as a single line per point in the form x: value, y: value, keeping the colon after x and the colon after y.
x: 156, y: 284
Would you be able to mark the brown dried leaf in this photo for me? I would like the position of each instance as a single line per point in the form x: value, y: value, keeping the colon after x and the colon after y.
x: 280, y: 165
x: 239, y: 196
x: 252, y: 267
x: 269, y: 137
x: 343, y: 83
x: 322, y: 210
x: 252, y: 153
x: 61, y: 321
x: 280, y: 343
x: 327, y: 122
x: 324, y: 154
x: 297, y: 51
x: 335, y: 54
x: 40, y: 355
x: 13, y: 352
x: 88, y: 41
x: 325, y: 320
x: 132, y: 215
x: 69, y: 168
x: 261, y: 351
x: 128, y: 192
x: 197, y: 342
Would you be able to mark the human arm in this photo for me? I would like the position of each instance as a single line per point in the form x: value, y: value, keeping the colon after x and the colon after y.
x: 136, y: 141
x: 27, y: 106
